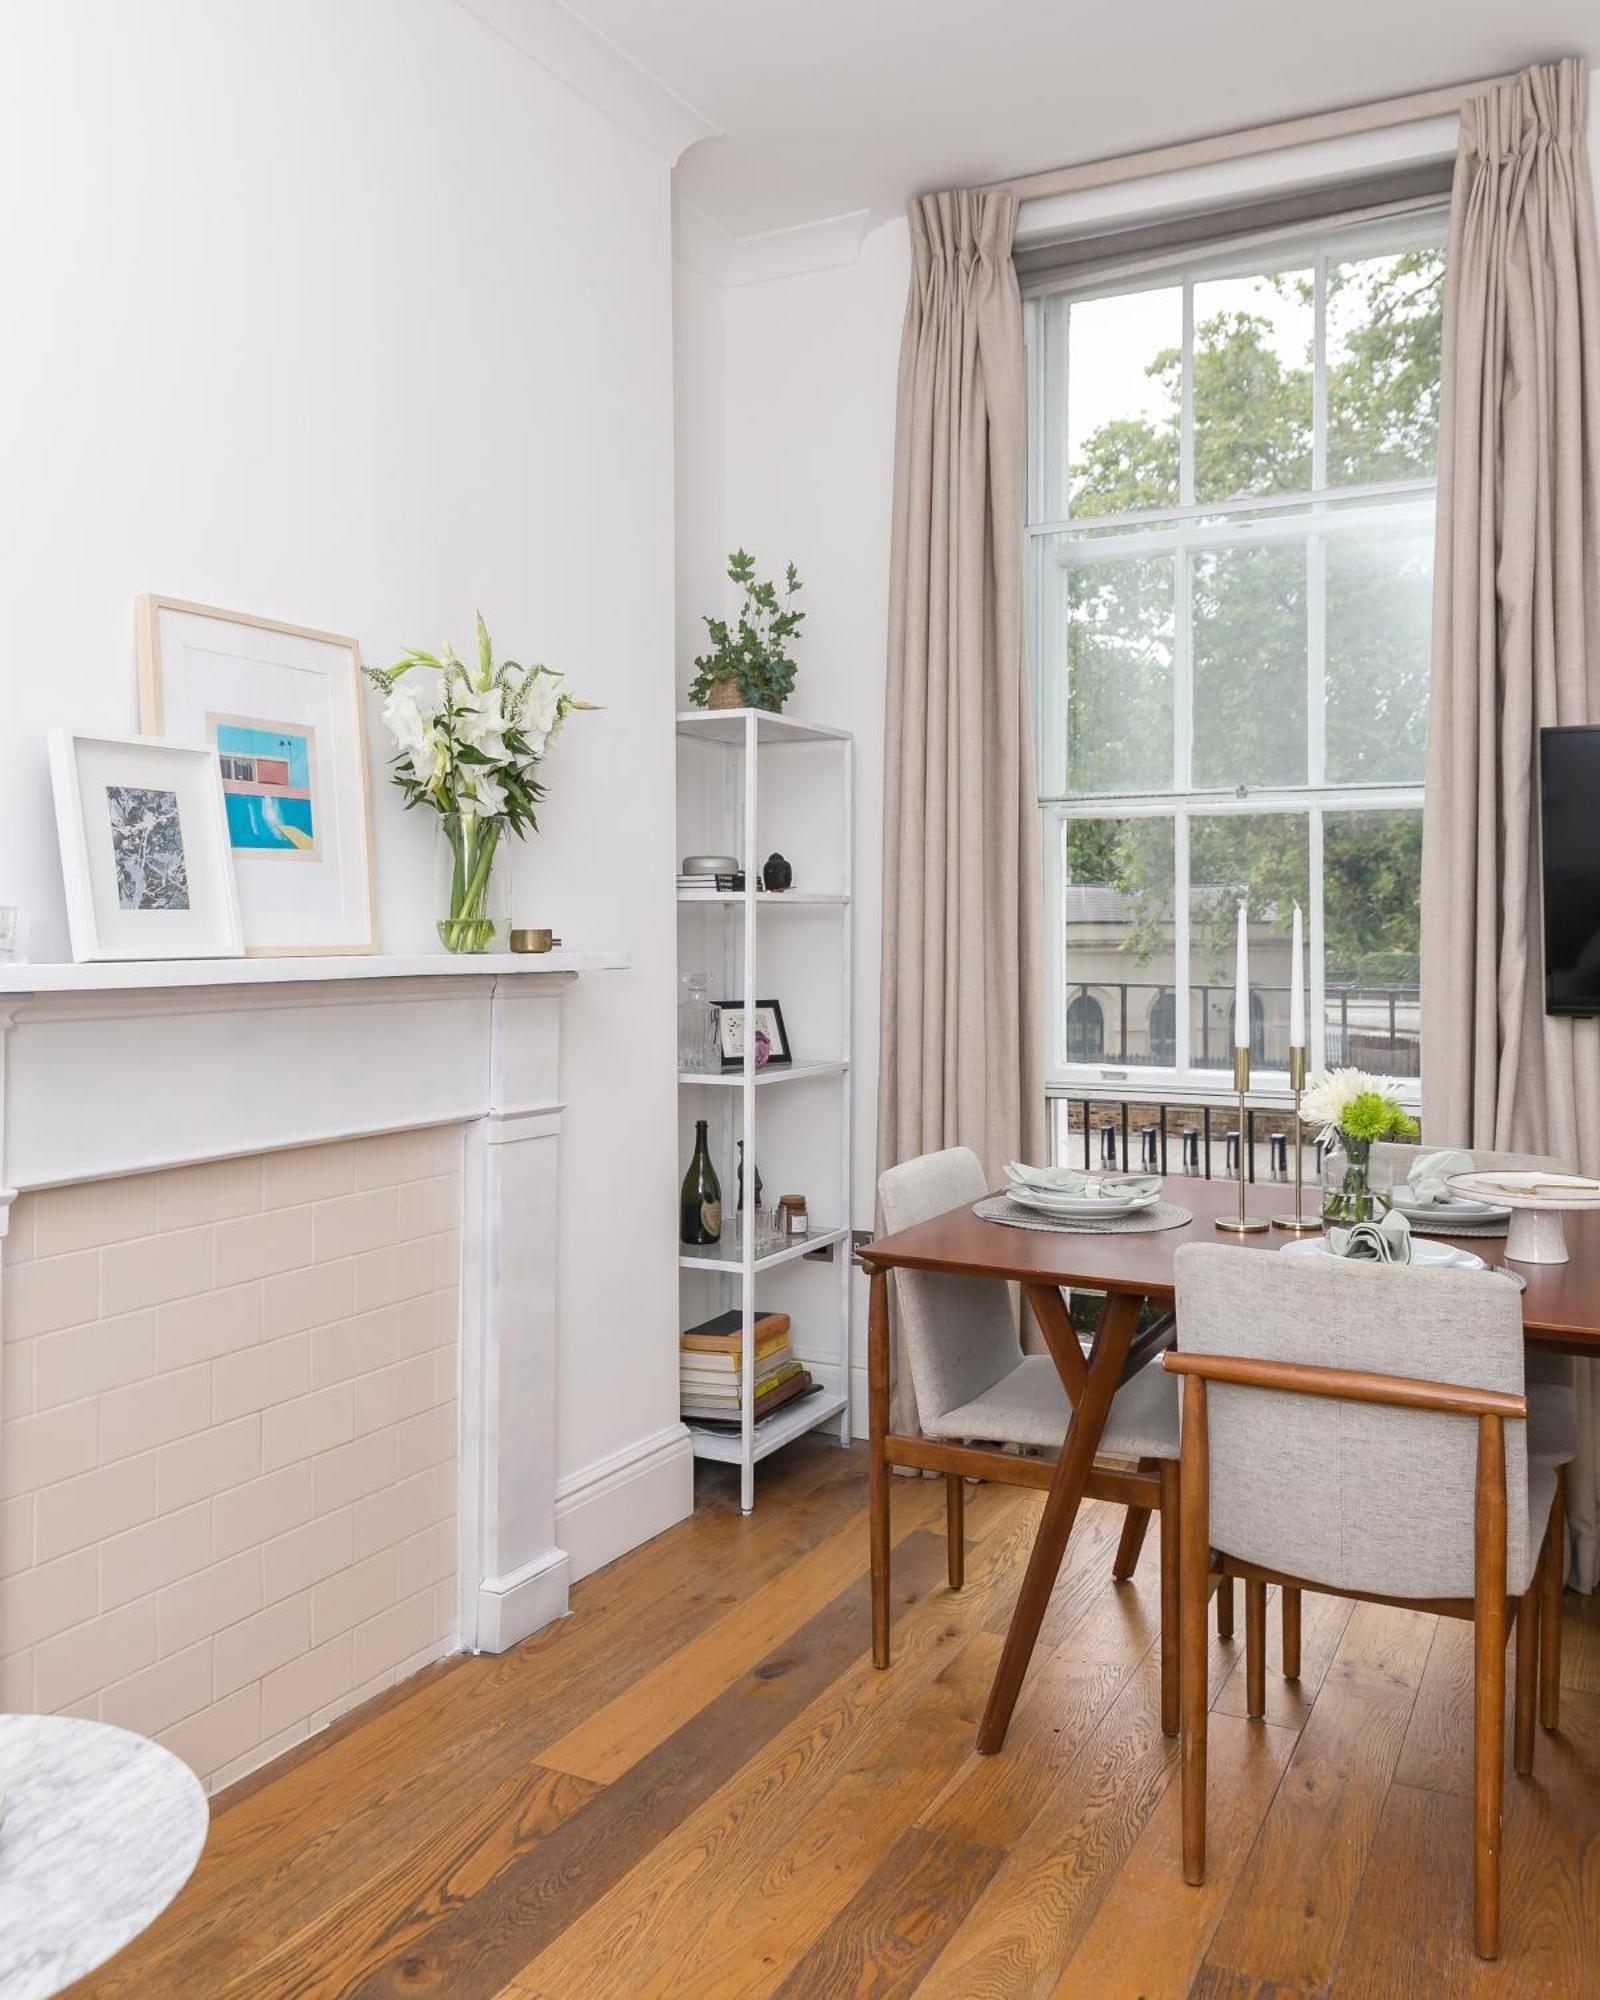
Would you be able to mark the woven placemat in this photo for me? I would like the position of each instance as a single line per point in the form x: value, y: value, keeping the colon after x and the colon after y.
x: 1165, y: 1215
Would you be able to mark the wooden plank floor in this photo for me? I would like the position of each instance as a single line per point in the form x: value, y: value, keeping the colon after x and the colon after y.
x: 697, y: 1784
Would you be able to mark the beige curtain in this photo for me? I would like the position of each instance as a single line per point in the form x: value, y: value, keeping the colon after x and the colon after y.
x: 1516, y: 642
x: 961, y: 1036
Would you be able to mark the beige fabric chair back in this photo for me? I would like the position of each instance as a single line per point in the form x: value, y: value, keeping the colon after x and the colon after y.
x: 960, y: 1334
x: 1355, y: 1495
x: 1392, y: 1162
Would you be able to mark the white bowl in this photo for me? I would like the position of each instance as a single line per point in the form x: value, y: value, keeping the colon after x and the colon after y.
x: 1424, y: 1254
x: 1077, y: 1205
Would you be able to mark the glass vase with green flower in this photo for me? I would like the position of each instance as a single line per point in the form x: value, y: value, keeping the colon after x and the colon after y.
x: 1355, y: 1110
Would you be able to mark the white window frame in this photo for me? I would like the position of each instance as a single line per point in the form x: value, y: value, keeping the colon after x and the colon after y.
x: 1311, y: 518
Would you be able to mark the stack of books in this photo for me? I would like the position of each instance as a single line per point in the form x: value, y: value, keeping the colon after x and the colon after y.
x: 711, y: 1368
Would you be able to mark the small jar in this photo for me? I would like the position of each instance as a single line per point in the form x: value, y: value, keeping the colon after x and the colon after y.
x: 796, y: 1222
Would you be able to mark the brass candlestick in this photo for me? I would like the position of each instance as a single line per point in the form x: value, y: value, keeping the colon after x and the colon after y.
x: 1242, y: 1225
x: 1298, y: 1224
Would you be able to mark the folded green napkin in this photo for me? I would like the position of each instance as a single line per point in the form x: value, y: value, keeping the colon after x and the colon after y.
x: 1385, y: 1242
x: 1428, y: 1182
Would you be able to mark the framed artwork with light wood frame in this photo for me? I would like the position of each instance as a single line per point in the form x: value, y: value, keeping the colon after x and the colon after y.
x: 282, y: 707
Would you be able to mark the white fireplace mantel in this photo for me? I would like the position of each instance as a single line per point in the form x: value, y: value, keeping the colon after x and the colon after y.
x: 110, y: 1069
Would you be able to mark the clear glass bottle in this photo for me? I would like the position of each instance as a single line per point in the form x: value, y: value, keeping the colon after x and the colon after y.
x: 697, y: 1054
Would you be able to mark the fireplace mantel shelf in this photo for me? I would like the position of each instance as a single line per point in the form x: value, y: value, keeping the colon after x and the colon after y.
x: 137, y: 975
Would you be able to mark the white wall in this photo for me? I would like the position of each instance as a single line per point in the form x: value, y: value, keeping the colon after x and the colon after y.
x: 353, y: 315
x: 807, y: 368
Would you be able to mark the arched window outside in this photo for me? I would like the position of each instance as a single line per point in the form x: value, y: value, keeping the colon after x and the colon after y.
x: 1164, y: 1028
x: 1086, y: 1029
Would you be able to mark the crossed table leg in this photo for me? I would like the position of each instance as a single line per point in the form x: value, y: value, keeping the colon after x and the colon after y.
x: 1090, y: 1385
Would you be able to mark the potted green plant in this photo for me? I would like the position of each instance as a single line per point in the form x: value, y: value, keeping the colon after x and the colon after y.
x: 749, y: 665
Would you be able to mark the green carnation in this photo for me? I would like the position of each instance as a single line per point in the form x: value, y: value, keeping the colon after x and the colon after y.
x: 1370, y: 1115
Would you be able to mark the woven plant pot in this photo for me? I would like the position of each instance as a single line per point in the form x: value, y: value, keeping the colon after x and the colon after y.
x: 724, y: 694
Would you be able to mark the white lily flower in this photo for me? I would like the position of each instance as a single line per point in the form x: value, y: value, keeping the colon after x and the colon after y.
x: 403, y: 719
x: 484, y: 797
x: 542, y: 713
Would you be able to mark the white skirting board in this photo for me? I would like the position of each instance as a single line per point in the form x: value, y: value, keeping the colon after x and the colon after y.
x: 607, y: 1508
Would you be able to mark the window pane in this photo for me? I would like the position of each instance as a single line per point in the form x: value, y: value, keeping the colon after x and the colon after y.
x: 1379, y: 619
x: 1248, y: 615
x: 1371, y: 886
x: 1125, y: 359
x: 1118, y: 960
x: 1253, y: 341
x: 1384, y: 320
x: 1266, y: 859
x: 1119, y: 676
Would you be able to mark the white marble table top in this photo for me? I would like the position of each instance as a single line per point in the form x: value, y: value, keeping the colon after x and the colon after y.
x: 102, y: 1829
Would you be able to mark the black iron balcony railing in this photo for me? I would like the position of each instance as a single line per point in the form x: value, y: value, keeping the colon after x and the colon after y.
x: 1131, y: 1134
x: 1134, y: 1023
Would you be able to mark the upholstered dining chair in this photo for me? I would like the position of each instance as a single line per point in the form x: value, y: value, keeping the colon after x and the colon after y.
x: 1361, y: 1430
x: 1551, y: 1383
x: 973, y: 1384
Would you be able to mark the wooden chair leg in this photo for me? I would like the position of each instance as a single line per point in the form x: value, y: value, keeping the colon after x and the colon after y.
x: 877, y: 1462
x: 1255, y: 1648
x: 1133, y: 1530
x: 1194, y: 1532
x: 1225, y: 1607
x: 1291, y: 1632
x: 1552, y: 1570
x: 1170, y: 1596
x: 1527, y: 1675
x: 955, y: 1523
x: 1489, y: 1684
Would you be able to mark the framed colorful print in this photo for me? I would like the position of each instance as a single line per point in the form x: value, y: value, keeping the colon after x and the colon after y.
x: 144, y: 848
x: 282, y: 706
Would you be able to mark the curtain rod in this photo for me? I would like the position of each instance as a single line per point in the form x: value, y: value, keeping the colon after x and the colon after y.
x: 1253, y: 139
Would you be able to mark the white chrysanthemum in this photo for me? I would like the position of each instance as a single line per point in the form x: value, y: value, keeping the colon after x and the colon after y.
x: 1327, y: 1095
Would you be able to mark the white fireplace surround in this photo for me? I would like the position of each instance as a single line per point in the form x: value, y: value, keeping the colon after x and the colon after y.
x: 108, y: 1070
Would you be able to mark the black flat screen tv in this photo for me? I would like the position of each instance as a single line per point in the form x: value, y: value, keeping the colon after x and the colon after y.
x: 1569, y: 794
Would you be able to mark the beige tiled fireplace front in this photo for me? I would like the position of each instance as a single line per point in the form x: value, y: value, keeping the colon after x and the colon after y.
x: 228, y: 1461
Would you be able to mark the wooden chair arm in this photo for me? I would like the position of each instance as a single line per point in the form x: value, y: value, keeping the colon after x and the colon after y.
x: 1351, y: 1385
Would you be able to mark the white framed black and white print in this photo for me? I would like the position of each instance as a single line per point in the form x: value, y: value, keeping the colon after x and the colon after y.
x: 144, y: 848
x: 282, y: 705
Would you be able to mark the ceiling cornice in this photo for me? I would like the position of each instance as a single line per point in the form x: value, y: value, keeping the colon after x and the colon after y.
x: 774, y: 253
x: 600, y: 72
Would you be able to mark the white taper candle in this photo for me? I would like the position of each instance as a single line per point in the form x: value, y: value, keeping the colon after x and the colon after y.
x: 1241, y: 991
x: 1297, y: 987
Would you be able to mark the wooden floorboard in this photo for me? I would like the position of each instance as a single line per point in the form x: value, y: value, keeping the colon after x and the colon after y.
x: 699, y: 1784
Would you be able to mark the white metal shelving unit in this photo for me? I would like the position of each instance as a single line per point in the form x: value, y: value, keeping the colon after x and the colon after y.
x: 746, y: 733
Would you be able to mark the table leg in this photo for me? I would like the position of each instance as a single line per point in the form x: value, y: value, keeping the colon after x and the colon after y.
x: 877, y: 1463
x: 1092, y: 1405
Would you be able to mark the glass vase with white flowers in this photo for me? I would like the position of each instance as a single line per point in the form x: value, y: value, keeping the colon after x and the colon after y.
x: 1355, y: 1110
x: 469, y: 743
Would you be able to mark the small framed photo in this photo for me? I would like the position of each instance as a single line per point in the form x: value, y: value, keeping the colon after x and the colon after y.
x: 282, y: 706
x: 768, y: 1028
x: 144, y: 848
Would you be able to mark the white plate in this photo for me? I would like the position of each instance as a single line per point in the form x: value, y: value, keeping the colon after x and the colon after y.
x: 1070, y: 1180
x: 1078, y: 1205
x: 1424, y: 1255
x: 1527, y: 1190
x: 1451, y: 1211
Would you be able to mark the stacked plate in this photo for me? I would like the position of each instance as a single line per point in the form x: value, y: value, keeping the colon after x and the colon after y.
x: 1425, y: 1256
x: 1456, y: 1208
x: 1071, y: 1195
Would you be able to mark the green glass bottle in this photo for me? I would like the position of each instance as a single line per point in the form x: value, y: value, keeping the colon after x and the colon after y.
x: 700, y: 1210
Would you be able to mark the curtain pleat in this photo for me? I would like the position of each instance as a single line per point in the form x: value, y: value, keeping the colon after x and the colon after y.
x: 1516, y: 645
x: 961, y: 1037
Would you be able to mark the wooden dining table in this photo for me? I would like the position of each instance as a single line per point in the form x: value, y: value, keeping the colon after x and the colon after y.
x: 1560, y: 1313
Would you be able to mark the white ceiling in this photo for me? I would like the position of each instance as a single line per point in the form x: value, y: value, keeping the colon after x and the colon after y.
x: 830, y: 106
